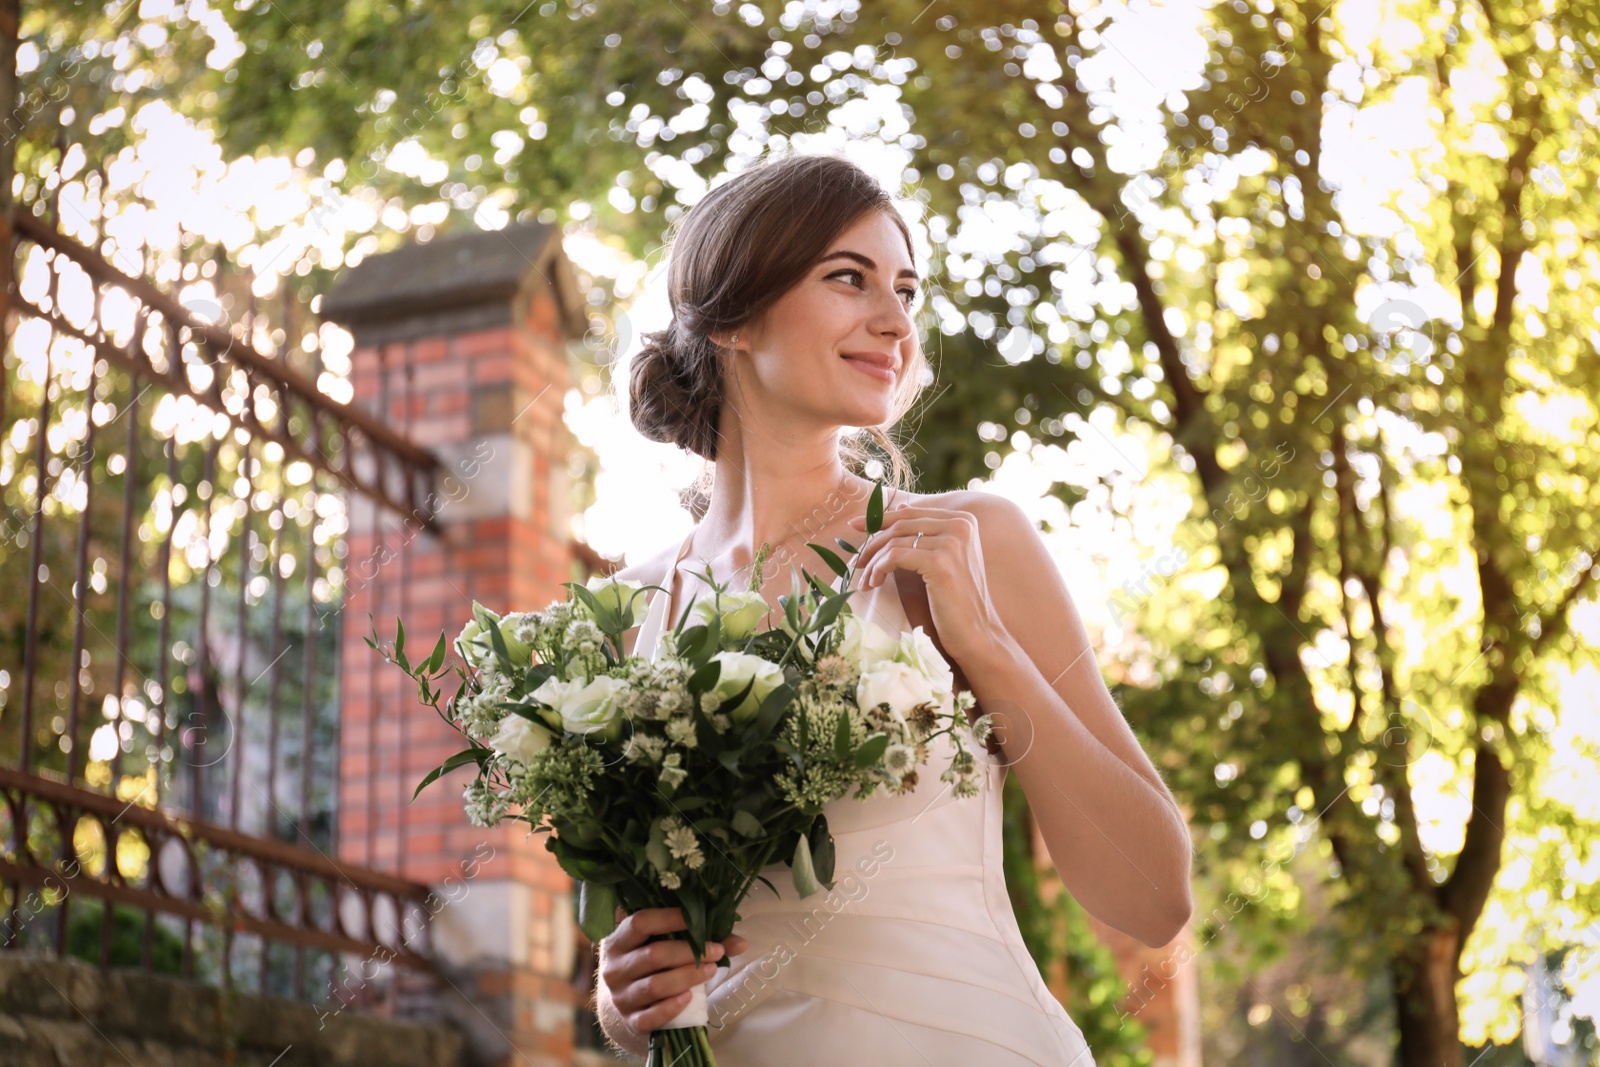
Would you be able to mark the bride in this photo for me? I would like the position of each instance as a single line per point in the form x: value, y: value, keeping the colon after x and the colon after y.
x: 792, y: 287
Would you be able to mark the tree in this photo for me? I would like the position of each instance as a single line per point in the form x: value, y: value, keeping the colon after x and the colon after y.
x: 1391, y: 528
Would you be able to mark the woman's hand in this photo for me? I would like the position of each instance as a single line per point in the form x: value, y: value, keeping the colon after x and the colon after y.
x: 649, y: 981
x: 949, y: 557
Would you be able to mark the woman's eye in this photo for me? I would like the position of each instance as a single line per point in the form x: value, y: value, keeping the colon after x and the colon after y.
x: 909, y: 294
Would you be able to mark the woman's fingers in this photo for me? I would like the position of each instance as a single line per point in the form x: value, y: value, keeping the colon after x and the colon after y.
x: 663, y: 992
x: 634, y: 930
x: 654, y: 1016
x: 652, y: 958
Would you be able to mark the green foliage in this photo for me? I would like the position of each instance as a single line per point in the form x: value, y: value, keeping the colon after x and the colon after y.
x: 86, y: 924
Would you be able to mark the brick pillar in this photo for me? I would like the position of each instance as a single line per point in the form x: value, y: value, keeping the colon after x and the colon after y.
x: 461, y: 345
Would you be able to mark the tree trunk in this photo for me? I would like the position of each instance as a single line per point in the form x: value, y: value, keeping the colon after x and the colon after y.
x: 10, y: 21
x: 1425, y: 979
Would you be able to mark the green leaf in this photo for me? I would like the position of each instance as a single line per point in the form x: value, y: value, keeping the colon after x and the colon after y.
x: 830, y: 558
x: 605, y: 616
x: 694, y: 915
x: 766, y: 719
x: 875, y: 509
x: 597, y: 911
x: 436, y: 661
x: 822, y: 851
x: 738, y: 698
x: 476, y: 754
x: 841, y: 736
x: 871, y: 750
x: 805, y: 876
x: 703, y: 679
x: 793, y: 753
x: 501, y: 652
x: 746, y: 824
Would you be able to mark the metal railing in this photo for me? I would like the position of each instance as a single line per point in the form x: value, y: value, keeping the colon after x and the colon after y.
x: 174, y: 514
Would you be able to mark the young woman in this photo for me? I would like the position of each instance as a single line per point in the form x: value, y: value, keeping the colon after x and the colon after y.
x: 792, y: 287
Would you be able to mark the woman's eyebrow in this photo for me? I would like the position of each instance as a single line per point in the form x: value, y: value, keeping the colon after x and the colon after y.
x: 867, y: 263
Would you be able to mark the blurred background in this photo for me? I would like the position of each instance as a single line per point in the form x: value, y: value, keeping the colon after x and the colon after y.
x: 1280, y: 319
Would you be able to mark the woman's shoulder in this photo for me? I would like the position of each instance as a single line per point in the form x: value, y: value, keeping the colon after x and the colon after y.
x: 951, y: 499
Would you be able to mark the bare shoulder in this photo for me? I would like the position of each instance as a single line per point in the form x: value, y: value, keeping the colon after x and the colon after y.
x: 1007, y: 534
x: 991, y: 510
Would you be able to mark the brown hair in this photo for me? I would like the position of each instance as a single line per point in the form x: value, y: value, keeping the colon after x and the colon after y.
x: 740, y: 248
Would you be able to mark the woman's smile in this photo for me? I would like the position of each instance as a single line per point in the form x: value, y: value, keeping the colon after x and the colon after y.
x: 879, y: 365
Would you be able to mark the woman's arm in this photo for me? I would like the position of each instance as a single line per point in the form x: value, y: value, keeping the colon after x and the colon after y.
x: 1114, y: 831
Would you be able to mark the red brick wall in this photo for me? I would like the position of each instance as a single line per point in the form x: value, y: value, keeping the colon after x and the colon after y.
x: 489, y: 403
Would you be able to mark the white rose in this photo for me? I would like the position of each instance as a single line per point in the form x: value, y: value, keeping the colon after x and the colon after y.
x: 916, y: 649
x: 586, y: 707
x: 618, y: 594
x: 863, y: 643
x: 477, y: 648
x: 740, y: 613
x: 520, y: 738
x: 737, y: 670
x: 898, y: 685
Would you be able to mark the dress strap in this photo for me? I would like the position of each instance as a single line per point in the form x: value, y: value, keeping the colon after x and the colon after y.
x: 671, y: 580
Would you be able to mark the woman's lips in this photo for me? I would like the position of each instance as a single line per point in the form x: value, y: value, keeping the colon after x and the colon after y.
x: 883, y: 374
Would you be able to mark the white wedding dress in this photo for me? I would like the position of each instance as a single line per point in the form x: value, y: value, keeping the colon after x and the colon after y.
x: 914, y: 957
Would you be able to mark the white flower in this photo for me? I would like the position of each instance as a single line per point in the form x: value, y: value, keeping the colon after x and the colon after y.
x: 586, y: 707
x: 740, y: 613
x: 680, y: 731
x: 670, y: 880
x: 737, y: 670
x: 916, y: 649
x: 477, y: 648
x: 898, y: 760
x: 982, y: 728
x: 672, y: 774
x: 520, y: 738
x: 584, y: 637
x: 864, y: 643
x: 618, y: 594
x: 644, y: 747
x: 479, y: 712
x: 682, y: 843
x: 484, y: 806
x: 900, y: 686
x: 522, y: 626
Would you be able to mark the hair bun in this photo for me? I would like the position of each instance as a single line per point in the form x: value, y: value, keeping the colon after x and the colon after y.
x: 667, y: 396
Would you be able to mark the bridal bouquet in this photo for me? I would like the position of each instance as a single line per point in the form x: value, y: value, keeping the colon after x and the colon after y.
x: 673, y: 782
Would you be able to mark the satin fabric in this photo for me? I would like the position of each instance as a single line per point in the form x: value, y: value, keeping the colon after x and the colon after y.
x: 914, y: 957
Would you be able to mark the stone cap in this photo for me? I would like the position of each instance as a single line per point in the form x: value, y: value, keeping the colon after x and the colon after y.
x: 455, y: 272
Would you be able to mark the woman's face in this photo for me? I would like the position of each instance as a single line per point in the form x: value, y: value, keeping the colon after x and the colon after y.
x: 838, y: 345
